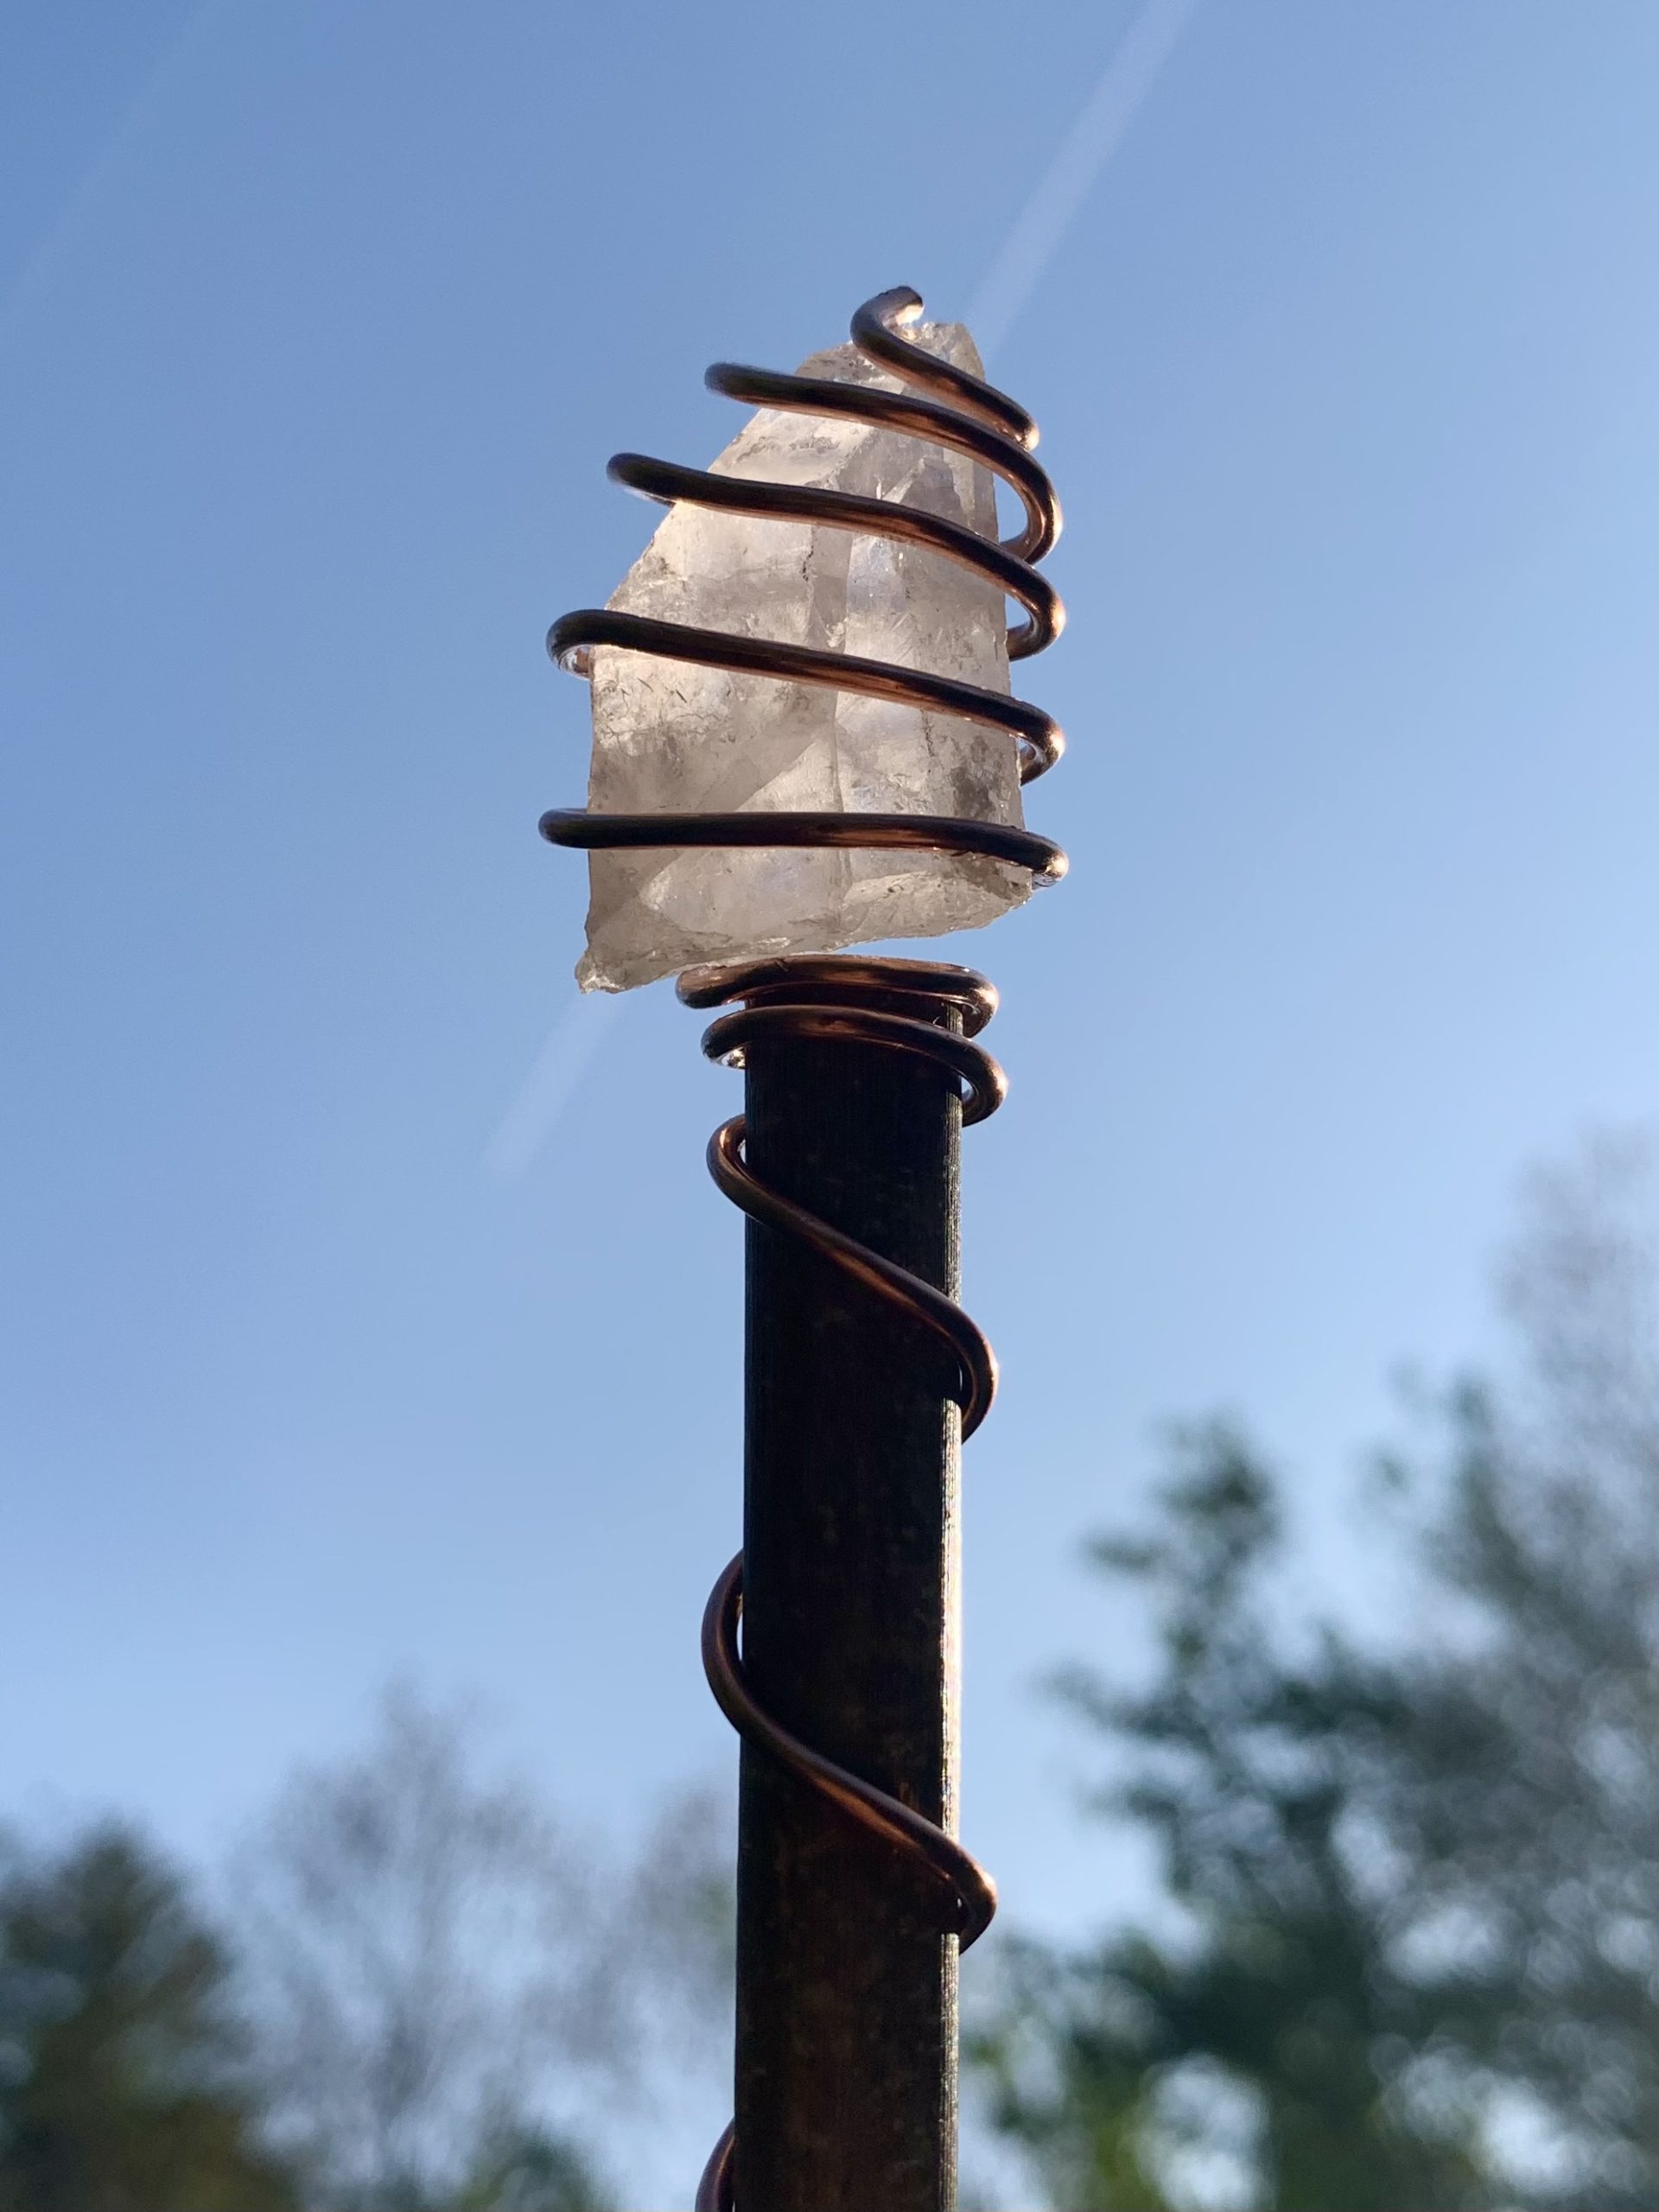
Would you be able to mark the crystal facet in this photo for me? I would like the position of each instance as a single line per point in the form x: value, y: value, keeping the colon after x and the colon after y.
x: 670, y: 737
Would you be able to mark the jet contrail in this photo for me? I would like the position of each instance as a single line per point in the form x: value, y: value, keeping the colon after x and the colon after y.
x: 101, y: 172
x: 1013, y: 277
x: 1082, y: 153
x: 546, y: 1091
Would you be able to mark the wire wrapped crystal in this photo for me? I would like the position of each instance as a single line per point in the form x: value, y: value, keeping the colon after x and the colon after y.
x: 673, y: 737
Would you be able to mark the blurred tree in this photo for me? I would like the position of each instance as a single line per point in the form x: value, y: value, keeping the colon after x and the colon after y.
x: 1269, y: 2031
x: 666, y: 1953
x: 528, y: 2170
x: 1409, y: 1950
x: 121, y: 2081
x: 421, y: 1977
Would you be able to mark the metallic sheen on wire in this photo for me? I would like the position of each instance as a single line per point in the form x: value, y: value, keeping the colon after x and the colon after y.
x: 959, y: 412
x: 925, y: 1010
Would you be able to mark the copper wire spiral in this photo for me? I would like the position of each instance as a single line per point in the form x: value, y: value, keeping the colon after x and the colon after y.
x: 920, y: 1008
x: 971, y: 417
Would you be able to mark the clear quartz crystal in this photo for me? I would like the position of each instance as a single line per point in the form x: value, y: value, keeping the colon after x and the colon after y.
x: 669, y: 737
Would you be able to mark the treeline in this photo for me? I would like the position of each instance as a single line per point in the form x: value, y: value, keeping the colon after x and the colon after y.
x: 1406, y: 1952
x: 416, y: 1990
x: 1403, y: 1954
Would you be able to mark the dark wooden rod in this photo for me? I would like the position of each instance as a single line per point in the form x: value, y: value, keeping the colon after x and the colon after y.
x: 847, y: 1991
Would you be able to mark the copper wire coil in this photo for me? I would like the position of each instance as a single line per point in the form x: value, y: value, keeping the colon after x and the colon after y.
x: 925, y: 1010
x: 958, y: 410
x: 933, y: 1011
x: 923, y: 833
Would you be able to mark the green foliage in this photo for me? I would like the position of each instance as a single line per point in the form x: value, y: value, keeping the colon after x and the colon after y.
x: 518, y: 2168
x: 118, y: 2063
x: 1256, y: 1777
x: 531, y: 2171
x: 1407, y: 1954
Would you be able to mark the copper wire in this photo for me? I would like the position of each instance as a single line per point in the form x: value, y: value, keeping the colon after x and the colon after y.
x: 924, y: 1009
x: 857, y: 1001
x: 959, y: 412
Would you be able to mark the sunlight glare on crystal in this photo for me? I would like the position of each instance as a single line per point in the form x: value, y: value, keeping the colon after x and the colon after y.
x: 670, y: 737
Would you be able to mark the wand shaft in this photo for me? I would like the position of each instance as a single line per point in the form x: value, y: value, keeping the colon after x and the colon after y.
x: 847, y: 1990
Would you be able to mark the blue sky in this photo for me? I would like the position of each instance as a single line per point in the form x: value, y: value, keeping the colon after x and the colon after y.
x: 317, y: 324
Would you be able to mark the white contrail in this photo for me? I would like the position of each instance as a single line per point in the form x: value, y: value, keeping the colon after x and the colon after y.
x: 101, y: 172
x: 548, y: 1089
x: 1082, y: 153
x: 1014, y: 275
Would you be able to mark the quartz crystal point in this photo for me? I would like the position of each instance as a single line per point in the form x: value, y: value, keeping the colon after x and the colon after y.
x: 670, y: 737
